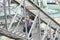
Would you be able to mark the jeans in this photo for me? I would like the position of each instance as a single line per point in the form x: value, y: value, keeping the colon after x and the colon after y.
x: 28, y: 29
x: 48, y: 38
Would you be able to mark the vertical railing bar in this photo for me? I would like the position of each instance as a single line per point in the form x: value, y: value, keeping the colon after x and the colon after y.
x: 9, y: 1
x: 13, y: 19
x: 9, y: 8
x: 4, y: 5
x: 17, y: 25
x: 39, y: 27
x: 45, y: 33
x: 39, y: 3
x: 57, y: 28
x: 56, y: 32
x: 24, y: 12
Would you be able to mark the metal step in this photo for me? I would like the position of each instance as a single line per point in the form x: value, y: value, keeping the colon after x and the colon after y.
x: 8, y: 34
x: 17, y: 32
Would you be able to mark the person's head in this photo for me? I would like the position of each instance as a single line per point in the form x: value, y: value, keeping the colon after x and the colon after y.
x: 27, y: 17
x: 49, y: 30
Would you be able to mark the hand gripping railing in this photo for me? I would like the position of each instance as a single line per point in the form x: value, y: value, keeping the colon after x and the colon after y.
x: 33, y: 25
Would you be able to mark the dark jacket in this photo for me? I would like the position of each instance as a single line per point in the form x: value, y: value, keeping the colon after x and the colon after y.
x: 29, y: 24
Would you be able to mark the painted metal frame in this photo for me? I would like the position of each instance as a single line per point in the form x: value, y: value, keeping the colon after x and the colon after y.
x: 4, y: 5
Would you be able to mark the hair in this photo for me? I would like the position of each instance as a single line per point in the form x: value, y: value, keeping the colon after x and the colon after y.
x: 32, y: 17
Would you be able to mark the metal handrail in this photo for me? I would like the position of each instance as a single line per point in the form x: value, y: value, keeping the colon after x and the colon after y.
x: 56, y: 33
x: 17, y: 25
x: 43, y: 12
x: 45, y: 33
x: 10, y: 34
x: 13, y: 20
x: 9, y: 6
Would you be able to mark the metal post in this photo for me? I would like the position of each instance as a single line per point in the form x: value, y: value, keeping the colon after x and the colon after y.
x: 56, y: 33
x: 39, y: 3
x: 13, y: 18
x: 9, y: 7
x: 45, y: 32
x: 25, y: 18
x: 17, y: 25
x: 39, y: 30
x: 4, y: 5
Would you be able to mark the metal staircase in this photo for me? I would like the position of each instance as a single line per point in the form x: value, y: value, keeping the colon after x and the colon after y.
x: 16, y: 31
x: 48, y: 18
